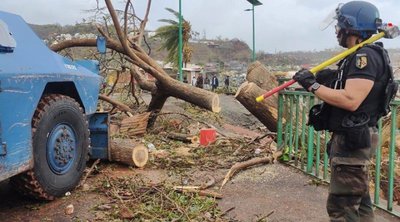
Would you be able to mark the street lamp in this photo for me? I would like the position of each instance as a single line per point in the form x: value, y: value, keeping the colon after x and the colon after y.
x: 254, y: 3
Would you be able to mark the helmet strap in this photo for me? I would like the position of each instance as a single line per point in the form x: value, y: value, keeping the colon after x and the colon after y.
x: 342, y: 37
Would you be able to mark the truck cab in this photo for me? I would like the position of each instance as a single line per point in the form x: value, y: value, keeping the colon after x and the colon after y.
x: 46, y: 101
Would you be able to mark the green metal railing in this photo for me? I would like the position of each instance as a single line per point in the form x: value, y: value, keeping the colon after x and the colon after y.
x: 307, y: 148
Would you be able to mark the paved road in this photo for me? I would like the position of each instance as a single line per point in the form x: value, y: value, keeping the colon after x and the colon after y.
x: 281, y: 190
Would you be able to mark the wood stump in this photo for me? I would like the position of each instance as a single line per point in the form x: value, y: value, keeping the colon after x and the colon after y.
x: 259, y: 74
x: 260, y: 80
x: 265, y: 111
x: 129, y: 152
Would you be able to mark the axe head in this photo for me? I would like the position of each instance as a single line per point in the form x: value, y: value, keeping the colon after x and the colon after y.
x: 391, y: 31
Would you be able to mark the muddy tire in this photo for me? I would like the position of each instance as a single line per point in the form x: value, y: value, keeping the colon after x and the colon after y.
x: 60, y: 148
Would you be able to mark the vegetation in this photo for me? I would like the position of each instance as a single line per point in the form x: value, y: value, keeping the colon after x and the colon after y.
x: 169, y: 36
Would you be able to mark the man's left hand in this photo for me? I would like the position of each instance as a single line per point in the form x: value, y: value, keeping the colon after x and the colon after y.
x: 305, y: 78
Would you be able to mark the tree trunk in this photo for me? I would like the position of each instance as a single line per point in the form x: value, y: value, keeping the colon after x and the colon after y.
x: 129, y: 152
x: 157, y: 102
x: 194, y: 95
x: 259, y: 74
x: 119, y: 105
x: 265, y: 111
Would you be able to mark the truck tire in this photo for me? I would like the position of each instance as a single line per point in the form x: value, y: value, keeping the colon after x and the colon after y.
x: 60, y: 148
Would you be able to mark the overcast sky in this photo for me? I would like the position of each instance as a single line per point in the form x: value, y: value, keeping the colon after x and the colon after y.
x: 281, y: 25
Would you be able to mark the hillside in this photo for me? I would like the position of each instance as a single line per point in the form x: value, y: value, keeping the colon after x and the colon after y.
x: 205, y: 51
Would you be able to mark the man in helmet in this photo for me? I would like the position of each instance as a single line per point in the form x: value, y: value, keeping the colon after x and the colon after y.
x: 352, y: 107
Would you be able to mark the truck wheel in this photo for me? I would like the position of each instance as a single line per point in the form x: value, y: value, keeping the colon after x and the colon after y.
x: 60, y: 148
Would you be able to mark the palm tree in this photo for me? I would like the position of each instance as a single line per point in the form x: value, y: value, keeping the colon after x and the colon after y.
x: 169, y: 35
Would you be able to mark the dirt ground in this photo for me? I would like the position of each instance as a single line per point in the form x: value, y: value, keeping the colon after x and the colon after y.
x: 272, y: 192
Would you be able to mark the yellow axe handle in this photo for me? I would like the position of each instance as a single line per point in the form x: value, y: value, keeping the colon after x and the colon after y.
x: 346, y: 53
x: 324, y: 64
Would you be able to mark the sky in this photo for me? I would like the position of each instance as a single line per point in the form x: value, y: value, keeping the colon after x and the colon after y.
x: 280, y: 25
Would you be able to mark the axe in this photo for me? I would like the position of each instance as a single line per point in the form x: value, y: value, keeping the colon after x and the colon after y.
x: 388, y: 31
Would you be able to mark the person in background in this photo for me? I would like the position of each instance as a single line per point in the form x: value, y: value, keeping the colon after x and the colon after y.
x: 226, y: 81
x: 214, y: 83
x: 354, y: 100
x: 207, y: 83
x: 199, y: 82
x: 193, y: 81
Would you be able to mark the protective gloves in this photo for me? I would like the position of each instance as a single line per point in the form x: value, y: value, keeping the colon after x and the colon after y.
x: 305, y: 78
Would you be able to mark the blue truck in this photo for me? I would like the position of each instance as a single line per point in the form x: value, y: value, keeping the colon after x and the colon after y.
x: 47, y: 104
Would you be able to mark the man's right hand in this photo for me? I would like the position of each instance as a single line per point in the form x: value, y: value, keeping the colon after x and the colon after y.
x: 305, y: 78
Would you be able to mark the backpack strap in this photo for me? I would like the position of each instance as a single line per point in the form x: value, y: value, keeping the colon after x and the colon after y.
x: 388, y: 69
x: 391, y: 86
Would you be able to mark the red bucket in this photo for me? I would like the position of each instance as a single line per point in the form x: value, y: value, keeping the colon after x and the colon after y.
x: 207, y: 136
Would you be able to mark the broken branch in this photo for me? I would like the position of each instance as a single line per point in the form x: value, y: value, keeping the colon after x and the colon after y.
x: 243, y: 165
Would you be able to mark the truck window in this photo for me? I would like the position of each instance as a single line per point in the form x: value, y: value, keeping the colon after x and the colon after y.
x: 7, y: 42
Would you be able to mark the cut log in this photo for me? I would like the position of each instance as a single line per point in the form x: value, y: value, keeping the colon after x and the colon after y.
x: 129, y: 152
x: 265, y: 111
x: 183, y: 137
x: 258, y: 74
x: 135, y: 125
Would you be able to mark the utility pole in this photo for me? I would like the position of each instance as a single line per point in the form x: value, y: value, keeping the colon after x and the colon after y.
x: 253, y: 3
x: 180, y: 47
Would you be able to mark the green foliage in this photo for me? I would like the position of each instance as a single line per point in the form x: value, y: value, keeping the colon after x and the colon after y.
x: 285, y: 156
x: 169, y: 35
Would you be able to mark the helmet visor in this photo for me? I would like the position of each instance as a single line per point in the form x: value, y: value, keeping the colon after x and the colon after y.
x: 332, y: 16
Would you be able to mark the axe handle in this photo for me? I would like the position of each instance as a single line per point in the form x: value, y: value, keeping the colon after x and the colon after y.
x: 324, y: 64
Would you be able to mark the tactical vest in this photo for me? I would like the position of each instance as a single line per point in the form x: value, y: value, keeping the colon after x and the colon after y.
x: 373, y: 107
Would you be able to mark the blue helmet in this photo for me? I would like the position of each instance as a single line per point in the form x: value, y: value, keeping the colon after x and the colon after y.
x: 358, y: 17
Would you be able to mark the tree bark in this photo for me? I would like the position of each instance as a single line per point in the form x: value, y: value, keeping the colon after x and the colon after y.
x: 157, y: 102
x: 129, y: 152
x: 265, y: 111
x: 259, y: 74
x: 135, y: 125
x: 119, y: 105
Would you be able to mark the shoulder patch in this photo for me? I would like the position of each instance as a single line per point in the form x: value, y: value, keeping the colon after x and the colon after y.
x: 361, y: 60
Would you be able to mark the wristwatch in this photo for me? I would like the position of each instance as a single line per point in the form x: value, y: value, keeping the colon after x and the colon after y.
x: 314, y: 87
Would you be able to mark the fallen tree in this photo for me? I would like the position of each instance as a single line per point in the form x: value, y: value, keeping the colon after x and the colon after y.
x: 138, y: 61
